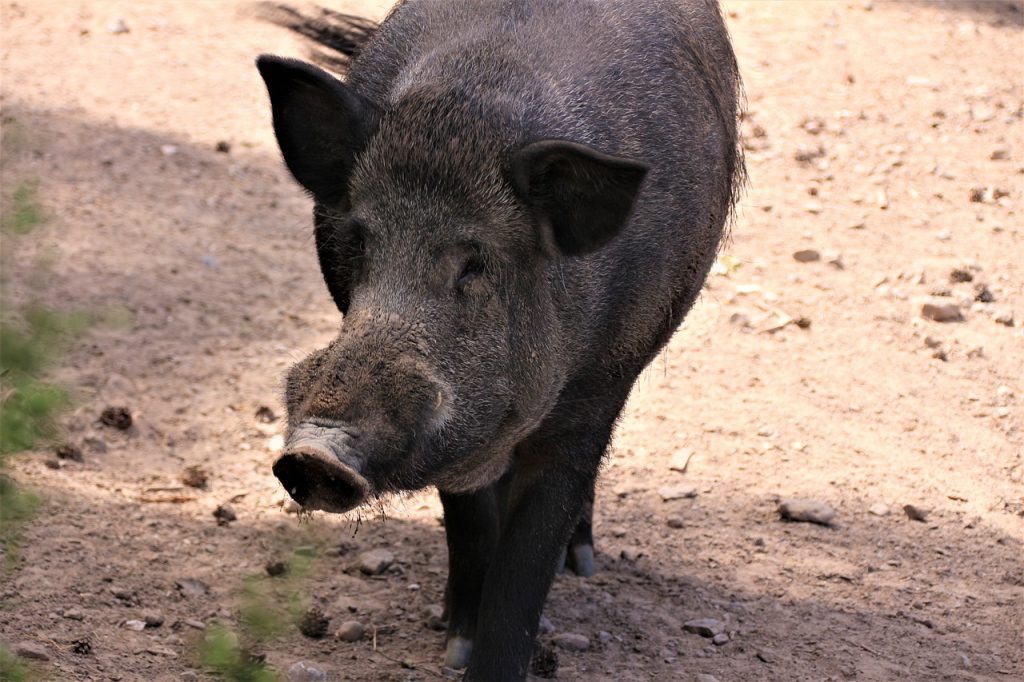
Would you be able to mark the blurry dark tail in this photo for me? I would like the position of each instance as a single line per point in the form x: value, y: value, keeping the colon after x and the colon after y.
x: 343, y: 35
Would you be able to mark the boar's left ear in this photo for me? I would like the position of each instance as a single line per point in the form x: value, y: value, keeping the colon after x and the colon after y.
x: 580, y: 198
x: 320, y: 124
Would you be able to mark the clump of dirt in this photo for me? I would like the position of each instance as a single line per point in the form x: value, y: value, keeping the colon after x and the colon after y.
x: 314, y: 623
x: 116, y: 417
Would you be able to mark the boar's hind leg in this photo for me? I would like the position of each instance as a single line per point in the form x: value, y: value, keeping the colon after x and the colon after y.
x: 579, y: 557
x: 552, y: 480
x: 471, y: 528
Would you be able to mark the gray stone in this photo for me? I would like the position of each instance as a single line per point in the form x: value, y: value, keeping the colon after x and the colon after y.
x: 350, y: 631
x: 705, y: 627
x: 32, y: 650
x: 704, y: 677
x: 570, y: 641
x: 677, y: 492
x: 300, y: 671
x: 434, y: 618
x: 720, y: 639
x: 153, y: 619
x: 546, y: 627
x: 375, y: 561
x: 808, y: 511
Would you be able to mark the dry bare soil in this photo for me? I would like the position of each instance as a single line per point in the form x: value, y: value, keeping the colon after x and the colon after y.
x: 870, y: 126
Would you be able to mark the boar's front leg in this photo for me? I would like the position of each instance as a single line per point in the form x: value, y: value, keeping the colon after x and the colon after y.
x: 471, y: 529
x: 552, y: 479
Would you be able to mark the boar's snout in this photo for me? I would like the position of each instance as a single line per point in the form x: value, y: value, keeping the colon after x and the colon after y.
x: 320, y: 469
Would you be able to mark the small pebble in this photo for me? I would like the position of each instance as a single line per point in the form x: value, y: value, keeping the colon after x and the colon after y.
x: 350, y: 631
x: 375, y: 561
x: 118, y: 26
x: 631, y: 554
x: 808, y: 511
x: 32, y: 650
x: 195, y: 477
x: 879, y: 509
x: 435, y: 618
x: 192, y: 623
x: 674, y: 522
x: 224, y: 515
x: 276, y: 568
x: 137, y: 625
x: 677, y: 492
x: 1003, y: 317
x: 705, y: 627
x: 720, y: 639
x: 545, y: 627
x: 190, y: 587
x: 74, y: 614
x: 806, y: 256
x: 941, y: 311
x: 570, y: 641
x: 301, y: 671
x: 223, y: 147
x: 153, y: 619
x: 915, y: 513
x: 70, y: 451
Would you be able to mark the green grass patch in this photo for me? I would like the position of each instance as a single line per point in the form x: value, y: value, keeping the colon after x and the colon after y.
x: 269, y: 607
x: 221, y: 653
x: 11, y: 669
x: 23, y: 213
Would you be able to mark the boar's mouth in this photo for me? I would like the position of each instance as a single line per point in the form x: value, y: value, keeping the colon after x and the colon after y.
x: 313, y: 472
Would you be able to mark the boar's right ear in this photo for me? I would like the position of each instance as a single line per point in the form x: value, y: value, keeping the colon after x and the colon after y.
x: 580, y: 198
x: 320, y: 124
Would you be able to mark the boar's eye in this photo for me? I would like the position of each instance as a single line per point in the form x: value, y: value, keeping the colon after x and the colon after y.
x: 471, y: 269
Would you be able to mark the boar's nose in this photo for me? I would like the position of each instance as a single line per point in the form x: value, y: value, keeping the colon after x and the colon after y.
x: 321, y: 470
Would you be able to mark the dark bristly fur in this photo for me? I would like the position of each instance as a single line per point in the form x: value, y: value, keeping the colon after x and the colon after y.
x: 344, y: 35
x: 517, y: 202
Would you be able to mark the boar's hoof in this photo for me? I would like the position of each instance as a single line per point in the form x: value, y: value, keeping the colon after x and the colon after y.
x: 457, y: 652
x: 317, y: 479
x: 580, y: 559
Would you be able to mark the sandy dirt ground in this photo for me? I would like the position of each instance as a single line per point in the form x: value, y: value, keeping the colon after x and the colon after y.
x: 887, y: 137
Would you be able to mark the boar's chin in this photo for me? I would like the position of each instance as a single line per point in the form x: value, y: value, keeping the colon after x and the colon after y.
x: 475, y: 472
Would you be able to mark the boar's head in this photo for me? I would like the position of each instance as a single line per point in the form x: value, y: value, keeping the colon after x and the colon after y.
x: 439, y: 225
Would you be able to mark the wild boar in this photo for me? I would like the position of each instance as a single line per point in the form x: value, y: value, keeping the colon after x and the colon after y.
x: 516, y: 203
